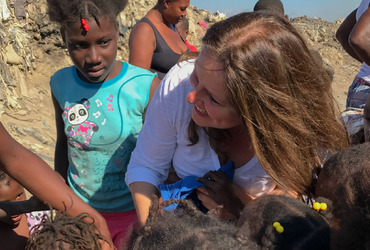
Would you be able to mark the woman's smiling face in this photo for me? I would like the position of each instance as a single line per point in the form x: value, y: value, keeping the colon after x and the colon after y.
x: 212, y: 107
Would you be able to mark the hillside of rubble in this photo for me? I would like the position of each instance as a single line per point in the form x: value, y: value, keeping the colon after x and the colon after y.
x: 31, y: 50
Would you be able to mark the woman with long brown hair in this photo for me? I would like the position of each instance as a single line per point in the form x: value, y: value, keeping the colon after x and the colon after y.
x: 256, y: 97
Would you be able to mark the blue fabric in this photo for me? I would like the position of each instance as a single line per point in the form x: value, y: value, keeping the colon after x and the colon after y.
x: 184, y: 187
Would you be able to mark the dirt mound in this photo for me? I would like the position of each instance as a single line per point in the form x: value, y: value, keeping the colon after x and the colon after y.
x: 31, y: 50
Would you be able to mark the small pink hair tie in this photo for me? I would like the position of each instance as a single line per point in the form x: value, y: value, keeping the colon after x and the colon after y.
x: 85, y: 25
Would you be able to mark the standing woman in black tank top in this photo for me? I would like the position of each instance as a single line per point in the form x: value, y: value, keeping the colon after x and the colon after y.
x: 155, y: 43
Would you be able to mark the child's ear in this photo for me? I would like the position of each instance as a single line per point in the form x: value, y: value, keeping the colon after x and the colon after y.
x: 165, y: 3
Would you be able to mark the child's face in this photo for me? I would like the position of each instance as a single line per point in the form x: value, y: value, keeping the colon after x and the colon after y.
x: 93, y: 51
x: 12, y: 191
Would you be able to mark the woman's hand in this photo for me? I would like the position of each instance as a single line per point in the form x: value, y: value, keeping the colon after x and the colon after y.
x: 219, y: 194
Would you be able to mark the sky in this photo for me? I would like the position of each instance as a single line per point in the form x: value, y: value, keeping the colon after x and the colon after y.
x: 328, y: 10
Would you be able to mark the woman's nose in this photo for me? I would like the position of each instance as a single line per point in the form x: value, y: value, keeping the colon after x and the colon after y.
x: 191, y: 97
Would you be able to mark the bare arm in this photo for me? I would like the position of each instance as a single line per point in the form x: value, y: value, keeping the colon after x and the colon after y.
x: 142, y: 45
x: 36, y: 176
x: 142, y: 194
x: 61, y: 162
x: 344, y: 32
x: 360, y: 37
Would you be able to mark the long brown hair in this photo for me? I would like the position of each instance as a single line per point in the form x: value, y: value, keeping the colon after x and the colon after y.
x: 283, y: 96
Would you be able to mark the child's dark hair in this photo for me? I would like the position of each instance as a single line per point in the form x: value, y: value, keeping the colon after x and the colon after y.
x: 66, y: 12
x: 65, y: 232
x: 301, y: 226
x: 273, y: 6
x: 345, y: 180
x: 186, y: 228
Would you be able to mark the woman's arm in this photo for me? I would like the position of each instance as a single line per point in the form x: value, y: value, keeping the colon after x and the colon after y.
x: 151, y: 160
x: 142, y: 194
x: 61, y: 162
x: 142, y: 45
x: 37, y: 177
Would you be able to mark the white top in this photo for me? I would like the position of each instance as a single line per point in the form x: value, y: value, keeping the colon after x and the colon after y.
x: 163, y: 141
x: 365, y: 69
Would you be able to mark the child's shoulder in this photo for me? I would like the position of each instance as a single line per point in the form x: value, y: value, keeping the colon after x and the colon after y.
x: 64, y: 71
x: 137, y: 70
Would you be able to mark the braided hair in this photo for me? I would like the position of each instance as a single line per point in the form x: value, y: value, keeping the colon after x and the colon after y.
x: 66, y: 12
x: 65, y: 232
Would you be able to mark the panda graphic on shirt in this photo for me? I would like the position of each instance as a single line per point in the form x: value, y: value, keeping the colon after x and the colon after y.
x: 79, y: 129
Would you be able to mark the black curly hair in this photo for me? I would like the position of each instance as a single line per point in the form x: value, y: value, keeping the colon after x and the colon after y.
x: 65, y: 232
x: 345, y: 180
x: 303, y: 227
x: 186, y: 228
x: 66, y: 12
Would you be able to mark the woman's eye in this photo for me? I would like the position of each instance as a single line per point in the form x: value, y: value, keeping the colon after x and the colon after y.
x: 213, y: 99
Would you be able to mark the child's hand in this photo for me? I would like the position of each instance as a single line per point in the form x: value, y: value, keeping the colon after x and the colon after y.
x: 219, y: 192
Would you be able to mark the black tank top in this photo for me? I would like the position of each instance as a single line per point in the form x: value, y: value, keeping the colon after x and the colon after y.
x: 164, y: 58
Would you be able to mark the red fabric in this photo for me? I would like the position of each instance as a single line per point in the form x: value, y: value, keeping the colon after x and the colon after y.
x: 203, y: 25
x: 119, y: 224
x: 191, y: 47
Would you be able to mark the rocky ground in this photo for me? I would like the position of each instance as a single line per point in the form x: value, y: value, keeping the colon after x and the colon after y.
x: 31, y: 50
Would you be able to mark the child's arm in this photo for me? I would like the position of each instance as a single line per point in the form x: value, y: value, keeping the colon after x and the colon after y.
x: 219, y: 192
x: 37, y: 177
x: 360, y: 37
x: 344, y: 32
x: 61, y: 162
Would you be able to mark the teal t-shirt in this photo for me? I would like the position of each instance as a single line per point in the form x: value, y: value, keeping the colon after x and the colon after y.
x: 102, y: 122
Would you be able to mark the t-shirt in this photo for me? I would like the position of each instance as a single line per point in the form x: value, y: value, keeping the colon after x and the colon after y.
x: 102, y: 122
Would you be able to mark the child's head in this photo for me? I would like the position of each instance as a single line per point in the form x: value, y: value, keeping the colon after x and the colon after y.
x: 345, y: 180
x: 65, y: 232
x: 273, y: 6
x: 183, y: 28
x: 300, y: 226
x: 90, y: 31
x: 186, y: 228
x: 10, y: 190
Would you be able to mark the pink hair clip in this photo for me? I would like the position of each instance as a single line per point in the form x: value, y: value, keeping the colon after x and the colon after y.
x: 85, y: 25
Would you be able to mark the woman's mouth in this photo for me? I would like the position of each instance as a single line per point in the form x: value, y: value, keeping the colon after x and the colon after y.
x: 200, y: 112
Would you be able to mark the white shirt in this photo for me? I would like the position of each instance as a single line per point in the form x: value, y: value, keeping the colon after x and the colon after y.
x: 163, y: 141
